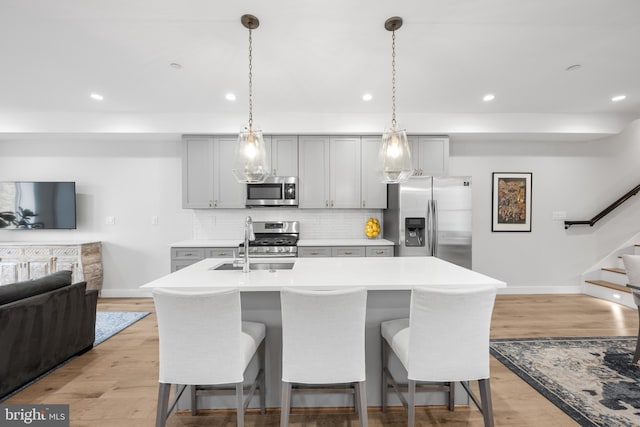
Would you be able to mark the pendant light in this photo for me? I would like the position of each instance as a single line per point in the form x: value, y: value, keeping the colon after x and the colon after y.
x: 394, y: 156
x: 250, y: 162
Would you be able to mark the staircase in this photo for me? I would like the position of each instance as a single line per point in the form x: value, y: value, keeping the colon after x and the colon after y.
x: 610, y: 280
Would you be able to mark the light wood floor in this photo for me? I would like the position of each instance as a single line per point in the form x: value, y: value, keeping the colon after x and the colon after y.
x: 115, y: 384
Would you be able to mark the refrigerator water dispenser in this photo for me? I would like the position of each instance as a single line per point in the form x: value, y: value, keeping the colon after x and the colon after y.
x: 414, y: 231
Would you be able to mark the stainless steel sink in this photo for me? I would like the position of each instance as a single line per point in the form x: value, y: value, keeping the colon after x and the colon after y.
x: 271, y: 266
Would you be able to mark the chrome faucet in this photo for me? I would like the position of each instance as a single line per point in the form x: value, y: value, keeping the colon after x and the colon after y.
x: 249, y: 236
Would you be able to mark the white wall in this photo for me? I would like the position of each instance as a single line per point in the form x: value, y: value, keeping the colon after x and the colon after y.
x: 581, y: 178
x: 131, y: 180
x: 136, y: 178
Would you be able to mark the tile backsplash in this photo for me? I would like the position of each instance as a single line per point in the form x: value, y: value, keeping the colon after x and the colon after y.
x: 314, y: 223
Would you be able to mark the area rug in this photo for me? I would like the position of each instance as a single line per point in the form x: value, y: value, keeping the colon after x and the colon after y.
x: 591, y: 379
x: 109, y: 323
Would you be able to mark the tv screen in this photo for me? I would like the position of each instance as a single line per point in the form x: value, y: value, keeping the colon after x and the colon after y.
x: 37, y: 205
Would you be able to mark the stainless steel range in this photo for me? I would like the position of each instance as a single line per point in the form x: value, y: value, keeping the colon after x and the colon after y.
x: 273, y: 239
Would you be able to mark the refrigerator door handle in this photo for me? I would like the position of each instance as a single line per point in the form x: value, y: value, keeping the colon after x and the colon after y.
x: 429, y: 226
x: 434, y: 215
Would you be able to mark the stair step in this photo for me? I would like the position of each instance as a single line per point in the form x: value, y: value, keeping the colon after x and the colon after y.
x: 609, y: 285
x: 615, y: 270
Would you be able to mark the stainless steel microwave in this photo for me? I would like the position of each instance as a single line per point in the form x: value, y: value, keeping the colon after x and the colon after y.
x: 274, y: 191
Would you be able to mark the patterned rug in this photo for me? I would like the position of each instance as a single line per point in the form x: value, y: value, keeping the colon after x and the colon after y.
x: 591, y: 379
x: 109, y: 323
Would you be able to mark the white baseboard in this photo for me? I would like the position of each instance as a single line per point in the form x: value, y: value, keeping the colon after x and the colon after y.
x: 534, y: 290
x: 125, y: 293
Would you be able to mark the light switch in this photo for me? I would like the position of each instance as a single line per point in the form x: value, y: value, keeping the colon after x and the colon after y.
x: 154, y: 220
x: 110, y: 220
x: 558, y: 215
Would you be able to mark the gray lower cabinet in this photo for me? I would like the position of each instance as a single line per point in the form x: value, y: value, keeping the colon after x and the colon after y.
x: 314, y: 251
x: 183, y: 257
x: 348, y: 251
x: 379, y: 251
x: 344, y: 251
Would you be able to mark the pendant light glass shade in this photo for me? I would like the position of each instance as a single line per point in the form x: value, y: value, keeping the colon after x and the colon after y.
x: 250, y: 160
x: 394, y: 157
x: 250, y: 163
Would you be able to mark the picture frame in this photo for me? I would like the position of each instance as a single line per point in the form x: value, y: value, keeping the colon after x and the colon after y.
x: 511, y: 201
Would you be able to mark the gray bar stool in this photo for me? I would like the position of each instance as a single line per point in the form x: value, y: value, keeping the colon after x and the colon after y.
x: 445, y: 340
x: 323, y: 344
x: 205, y: 344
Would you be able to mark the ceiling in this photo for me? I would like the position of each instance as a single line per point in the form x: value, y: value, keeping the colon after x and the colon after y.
x: 312, y: 63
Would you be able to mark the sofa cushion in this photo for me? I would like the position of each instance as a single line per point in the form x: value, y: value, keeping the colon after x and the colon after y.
x: 20, y: 290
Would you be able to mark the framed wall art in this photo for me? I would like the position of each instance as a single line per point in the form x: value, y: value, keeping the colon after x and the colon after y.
x: 511, y: 204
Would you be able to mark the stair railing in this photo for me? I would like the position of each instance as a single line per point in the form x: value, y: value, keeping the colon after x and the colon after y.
x: 608, y: 209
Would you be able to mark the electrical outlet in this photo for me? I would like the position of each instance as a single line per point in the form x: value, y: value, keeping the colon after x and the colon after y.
x: 110, y: 220
x: 154, y: 220
x: 558, y: 215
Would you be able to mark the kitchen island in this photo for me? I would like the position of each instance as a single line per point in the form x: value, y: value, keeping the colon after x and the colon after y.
x: 388, y: 280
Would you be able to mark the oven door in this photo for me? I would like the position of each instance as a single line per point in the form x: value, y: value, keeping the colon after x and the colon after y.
x: 269, y: 252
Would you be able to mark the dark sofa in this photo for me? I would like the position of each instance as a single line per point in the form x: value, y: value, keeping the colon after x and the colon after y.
x: 43, y: 322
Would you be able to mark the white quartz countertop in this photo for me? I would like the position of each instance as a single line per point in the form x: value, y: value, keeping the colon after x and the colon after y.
x: 391, y: 273
x: 220, y: 243
x: 344, y: 242
x: 228, y: 243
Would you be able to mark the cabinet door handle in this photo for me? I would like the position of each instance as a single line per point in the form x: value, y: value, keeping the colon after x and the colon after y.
x: 222, y: 254
x: 332, y: 203
x: 364, y: 204
x: 326, y: 203
x: 274, y: 172
x: 315, y: 253
x: 348, y: 253
x: 379, y: 252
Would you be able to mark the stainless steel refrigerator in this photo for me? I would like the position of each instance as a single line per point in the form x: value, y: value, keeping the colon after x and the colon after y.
x: 430, y: 216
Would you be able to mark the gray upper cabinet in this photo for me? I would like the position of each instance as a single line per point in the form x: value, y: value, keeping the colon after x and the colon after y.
x: 374, y: 193
x: 207, y: 179
x: 430, y: 155
x: 344, y: 170
x: 227, y: 191
x: 283, y: 152
x: 197, y: 173
x: 329, y: 170
x: 313, y: 165
x: 333, y: 171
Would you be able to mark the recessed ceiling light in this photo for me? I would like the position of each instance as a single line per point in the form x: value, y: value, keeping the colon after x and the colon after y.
x: 230, y: 97
x: 573, y: 67
x: 175, y: 66
x: 96, y: 96
x: 618, y: 98
x: 367, y: 97
x: 489, y: 97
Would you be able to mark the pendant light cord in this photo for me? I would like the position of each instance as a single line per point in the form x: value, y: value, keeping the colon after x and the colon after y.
x: 393, y: 79
x: 250, y: 83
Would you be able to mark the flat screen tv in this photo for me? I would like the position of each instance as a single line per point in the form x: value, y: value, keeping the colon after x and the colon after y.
x: 28, y: 205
